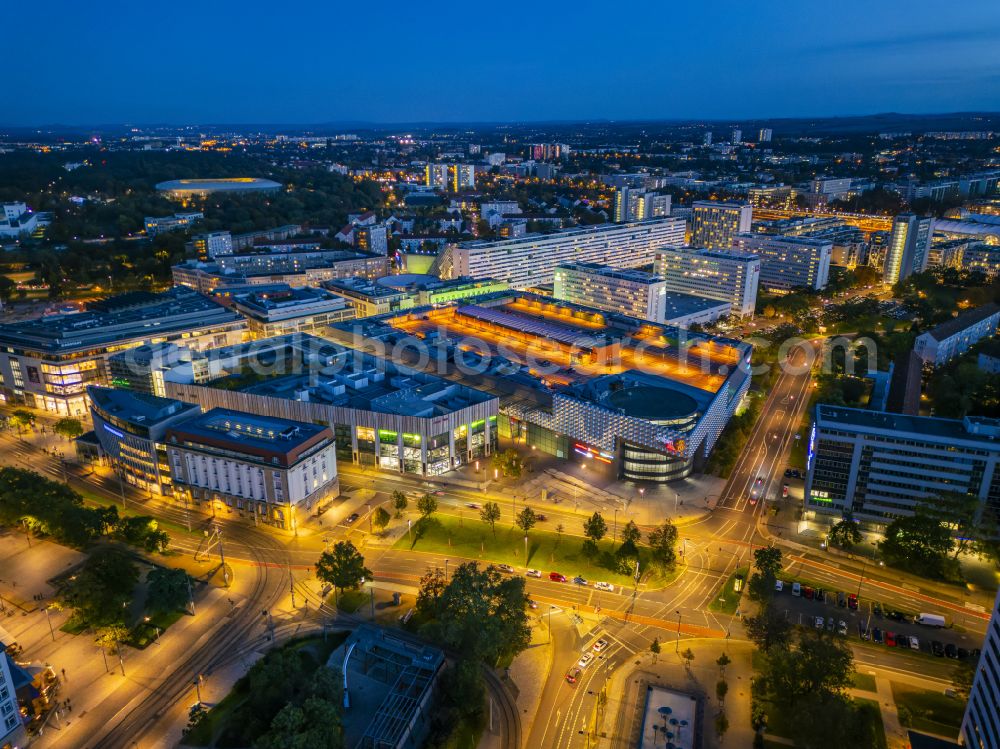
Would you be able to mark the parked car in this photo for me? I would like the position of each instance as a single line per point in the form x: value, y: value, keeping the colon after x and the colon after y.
x: 890, y: 639
x: 896, y: 616
x: 579, y: 580
x: 951, y: 651
x: 937, y: 648
x: 796, y: 589
x: 557, y: 577
x: 841, y: 599
x: 818, y: 622
x: 963, y: 654
x: 601, y: 585
x: 820, y: 595
x: 585, y: 660
x: 506, y: 568
x: 877, y: 609
x: 831, y: 625
x: 600, y: 645
x: 842, y: 628
x: 779, y: 585
x: 913, y: 642
x: 852, y: 602
x: 863, y: 632
x: 352, y: 518
x: 808, y: 592
x: 533, y: 573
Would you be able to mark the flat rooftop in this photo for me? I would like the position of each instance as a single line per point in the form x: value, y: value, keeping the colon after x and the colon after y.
x: 221, y: 184
x: 606, y: 271
x: 970, y: 429
x: 135, y: 407
x: 261, y: 436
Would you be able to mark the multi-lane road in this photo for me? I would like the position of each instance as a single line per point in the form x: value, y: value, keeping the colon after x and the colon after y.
x: 714, y: 547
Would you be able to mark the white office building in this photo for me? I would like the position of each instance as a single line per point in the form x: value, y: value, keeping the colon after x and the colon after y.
x: 981, y: 725
x: 909, y: 247
x: 789, y: 262
x: 213, y: 244
x: 715, y: 225
x: 724, y: 275
x: 950, y: 339
x: 879, y: 466
x: 531, y: 260
x: 629, y: 291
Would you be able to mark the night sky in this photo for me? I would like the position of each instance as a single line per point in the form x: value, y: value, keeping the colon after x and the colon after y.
x: 83, y: 63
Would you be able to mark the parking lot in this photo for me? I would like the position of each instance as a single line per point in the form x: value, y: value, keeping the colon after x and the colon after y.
x: 868, y: 619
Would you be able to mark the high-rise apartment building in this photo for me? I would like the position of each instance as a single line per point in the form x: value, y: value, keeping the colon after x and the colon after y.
x: 725, y: 275
x: 878, y: 466
x: 638, y: 204
x: 531, y: 260
x: 211, y: 245
x: 736, y: 137
x: 454, y: 177
x: 714, y: 225
x: 981, y: 725
x: 765, y: 135
x: 629, y: 291
x: 789, y: 262
x: 909, y: 247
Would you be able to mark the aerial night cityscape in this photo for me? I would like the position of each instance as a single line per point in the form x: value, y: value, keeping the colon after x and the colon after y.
x: 566, y: 380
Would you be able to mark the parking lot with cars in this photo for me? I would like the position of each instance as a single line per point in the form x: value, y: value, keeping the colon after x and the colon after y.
x: 871, y: 622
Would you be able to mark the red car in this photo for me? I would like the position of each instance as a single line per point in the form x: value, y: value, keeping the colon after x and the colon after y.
x: 808, y: 592
x: 557, y: 577
x: 852, y: 602
x: 890, y: 639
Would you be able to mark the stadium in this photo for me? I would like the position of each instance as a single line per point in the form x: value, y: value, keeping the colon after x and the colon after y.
x: 648, y: 400
x: 185, y: 189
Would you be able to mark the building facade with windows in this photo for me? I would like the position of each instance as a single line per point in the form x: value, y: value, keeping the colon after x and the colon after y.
x: 908, y: 251
x: 879, y: 466
x: 272, y: 470
x: 981, y: 724
x: 283, y: 311
x: 724, y: 275
x: 48, y: 362
x: 531, y: 260
x: 639, y: 204
x: 714, y: 225
x: 789, y: 262
x: 629, y: 291
x: 950, y: 339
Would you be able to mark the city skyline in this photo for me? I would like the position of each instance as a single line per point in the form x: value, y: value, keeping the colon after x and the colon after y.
x: 683, y: 63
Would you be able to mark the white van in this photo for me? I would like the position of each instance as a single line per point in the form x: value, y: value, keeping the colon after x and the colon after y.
x: 929, y: 620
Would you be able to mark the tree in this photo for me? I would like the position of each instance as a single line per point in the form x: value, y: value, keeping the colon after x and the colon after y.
x: 526, y: 519
x: 167, y: 589
x: 342, y: 566
x: 143, y: 532
x: 111, y: 637
x: 845, y: 533
x: 721, y: 722
x: 631, y: 533
x: 654, y: 648
x: 427, y: 505
x: 973, y: 524
x: 490, y: 514
x: 314, y: 725
x: 722, y: 661
x: 721, y: 690
x: 919, y: 543
x: 68, y: 427
x: 688, y: 656
x: 479, y: 612
x: 21, y: 418
x: 380, y: 519
x: 819, y: 666
x: 767, y: 560
x: 559, y: 531
x: 662, y: 541
x: 432, y: 585
x: 769, y: 629
x: 399, y: 502
x: 507, y: 463
x: 100, y: 592
x: 595, y: 528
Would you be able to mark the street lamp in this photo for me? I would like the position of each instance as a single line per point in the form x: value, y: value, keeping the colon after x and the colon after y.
x: 678, y: 647
x: 49, y: 620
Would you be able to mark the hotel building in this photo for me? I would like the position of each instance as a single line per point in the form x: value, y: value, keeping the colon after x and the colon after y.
x: 724, y: 275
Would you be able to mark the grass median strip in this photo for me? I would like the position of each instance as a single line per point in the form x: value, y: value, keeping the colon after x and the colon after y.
x: 728, y: 599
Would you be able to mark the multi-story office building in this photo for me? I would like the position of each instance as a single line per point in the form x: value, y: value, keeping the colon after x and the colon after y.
x: 909, y: 247
x: 17, y: 220
x: 48, y: 362
x: 879, y: 466
x: 724, y: 275
x: 831, y: 188
x: 629, y: 291
x: 531, y: 260
x: 981, y: 724
x: 287, y: 310
x: 177, y: 222
x: 130, y: 428
x: 12, y: 730
x: 715, y: 225
x: 382, y: 413
x: 944, y: 342
x: 764, y: 136
x: 295, y: 270
x: 639, y: 204
x: 368, y: 298
x: 270, y: 469
x: 211, y: 245
x: 789, y: 262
